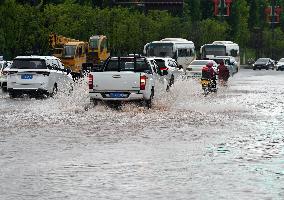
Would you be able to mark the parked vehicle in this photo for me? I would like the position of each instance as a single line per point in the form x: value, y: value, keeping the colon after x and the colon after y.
x: 37, y: 75
x: 4, y: 68
x: 123, y: 79
x: 167, y: 67
x: 280, y: 65
x: 263, y: 63
x: 194, y: 70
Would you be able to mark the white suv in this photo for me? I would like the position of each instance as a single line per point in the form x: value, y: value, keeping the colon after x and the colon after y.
x: 167, y: 66
x: 36, y: 75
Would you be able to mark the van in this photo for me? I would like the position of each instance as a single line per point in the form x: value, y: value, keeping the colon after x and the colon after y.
x: 34, y: 75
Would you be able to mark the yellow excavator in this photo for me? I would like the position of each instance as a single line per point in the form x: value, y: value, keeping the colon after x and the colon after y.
x: 77, y: 55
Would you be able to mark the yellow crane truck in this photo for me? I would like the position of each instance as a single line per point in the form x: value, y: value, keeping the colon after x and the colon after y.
x: 77, y: 55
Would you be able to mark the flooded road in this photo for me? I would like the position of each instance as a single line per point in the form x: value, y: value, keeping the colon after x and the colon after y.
x: 228, y: 145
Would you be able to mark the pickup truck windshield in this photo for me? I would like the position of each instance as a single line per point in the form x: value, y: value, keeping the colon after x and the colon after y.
x: 28, y: 64
x: 127, y: 64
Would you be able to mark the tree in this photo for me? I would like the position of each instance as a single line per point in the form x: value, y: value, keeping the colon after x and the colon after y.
x: 238, y: 21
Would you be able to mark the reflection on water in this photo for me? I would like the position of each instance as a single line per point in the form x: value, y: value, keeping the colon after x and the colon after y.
x: 225, y: 145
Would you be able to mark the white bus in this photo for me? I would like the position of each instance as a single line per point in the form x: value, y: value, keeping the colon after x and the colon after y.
x: 182, y: 50
x: 221, y: 48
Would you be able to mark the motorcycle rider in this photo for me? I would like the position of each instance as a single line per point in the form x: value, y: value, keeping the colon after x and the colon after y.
x: 209, y: 73
x: 223, y: 73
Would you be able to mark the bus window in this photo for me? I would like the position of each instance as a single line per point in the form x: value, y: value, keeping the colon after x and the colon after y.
x: 183, y: 53
x: 234, y: 53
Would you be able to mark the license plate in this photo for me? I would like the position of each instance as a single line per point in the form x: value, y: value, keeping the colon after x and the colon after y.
x: 26, y: 76
x: 117, y: 95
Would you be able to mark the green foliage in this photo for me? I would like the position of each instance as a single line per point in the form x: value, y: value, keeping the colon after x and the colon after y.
x: 212, y: 30
x: 26, y: 24
x: 21, y: 29
x: 240, y: 14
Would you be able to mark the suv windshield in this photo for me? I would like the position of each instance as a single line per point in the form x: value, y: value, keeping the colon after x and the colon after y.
x: 261, y: 60
x: 28, y: 64
x: 127, y: 64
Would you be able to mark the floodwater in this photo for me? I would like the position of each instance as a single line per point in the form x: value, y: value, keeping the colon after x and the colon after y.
x: 228, y: 145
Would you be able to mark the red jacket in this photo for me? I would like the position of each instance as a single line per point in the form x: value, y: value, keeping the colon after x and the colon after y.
x: 223, y: 72
x: 208, y: 72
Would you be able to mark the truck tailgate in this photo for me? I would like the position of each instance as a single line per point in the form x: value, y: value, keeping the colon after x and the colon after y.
x: 116, y: 81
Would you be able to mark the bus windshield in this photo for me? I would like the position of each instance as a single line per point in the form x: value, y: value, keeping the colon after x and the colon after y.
x: 160, y: 50
x: 216, y: 50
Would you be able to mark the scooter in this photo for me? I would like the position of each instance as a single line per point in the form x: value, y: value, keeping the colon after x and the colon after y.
x: 208, y: 86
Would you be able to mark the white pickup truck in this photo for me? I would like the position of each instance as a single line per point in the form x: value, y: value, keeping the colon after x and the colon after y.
x: 123, y: 79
